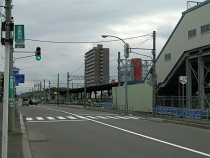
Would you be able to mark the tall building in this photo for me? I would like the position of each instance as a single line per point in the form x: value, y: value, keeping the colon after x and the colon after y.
x: 97, y: 65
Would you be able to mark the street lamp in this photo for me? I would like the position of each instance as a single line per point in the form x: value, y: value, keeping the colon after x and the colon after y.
x: 126, y: 55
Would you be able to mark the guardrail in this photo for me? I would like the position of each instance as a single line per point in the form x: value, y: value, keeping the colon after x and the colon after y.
x: 184, y: 114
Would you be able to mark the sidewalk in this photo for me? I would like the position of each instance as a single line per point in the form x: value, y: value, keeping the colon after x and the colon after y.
x: 14, y: 138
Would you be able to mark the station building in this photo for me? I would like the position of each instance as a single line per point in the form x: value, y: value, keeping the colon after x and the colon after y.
x: 185, y: 53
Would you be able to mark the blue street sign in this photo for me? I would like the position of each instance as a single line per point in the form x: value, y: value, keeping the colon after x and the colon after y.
x: 20, y: 78
x: 16, y: 82
x: 15, y: 71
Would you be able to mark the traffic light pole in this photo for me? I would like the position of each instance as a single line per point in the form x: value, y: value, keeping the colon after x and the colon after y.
x: 6, y: 81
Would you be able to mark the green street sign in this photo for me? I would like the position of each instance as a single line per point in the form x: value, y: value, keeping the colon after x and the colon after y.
x: 19, y: 36
x: 11, y: 86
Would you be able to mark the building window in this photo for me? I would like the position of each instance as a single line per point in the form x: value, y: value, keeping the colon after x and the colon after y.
x: 205, y: 28
x: 192, y: 33
x: 168, y: 57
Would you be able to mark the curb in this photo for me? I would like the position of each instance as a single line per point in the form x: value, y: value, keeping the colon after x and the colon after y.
x: 25, y: 143
x: 188, y: 124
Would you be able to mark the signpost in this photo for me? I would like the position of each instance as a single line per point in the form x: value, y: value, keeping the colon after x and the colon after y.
x: 19, y: 36
x: 183, y: 81
x: 11, y: 91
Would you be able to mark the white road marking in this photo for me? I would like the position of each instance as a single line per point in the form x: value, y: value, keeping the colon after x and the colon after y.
x: 81, y: 117
x: 29, y: 118
x: 71, y: 117
x: 39, y: 118
x: 61, y: 118
x: 122, y: 117
x: 112, y: 117
x: 102, y: 117
x: 144, y: 136
x: 92, y: 117
x: 55, y: 121
x: 50, y: 118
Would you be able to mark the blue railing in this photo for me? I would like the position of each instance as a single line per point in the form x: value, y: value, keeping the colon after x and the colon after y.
x: 183, y: 112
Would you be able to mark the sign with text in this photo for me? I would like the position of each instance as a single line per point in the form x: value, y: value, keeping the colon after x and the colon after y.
x: 19, y: 36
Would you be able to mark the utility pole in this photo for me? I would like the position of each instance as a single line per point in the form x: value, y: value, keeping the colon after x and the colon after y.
x: 40, y: 91
x: 49, y: 92
x: 44, y: 92
x: 118, y: 68
x: 85, y: 87
x: 154, y: 79
x: 67, y: 86
x: 6, y: 80
x: 11, y: 114
x: 58, y: 91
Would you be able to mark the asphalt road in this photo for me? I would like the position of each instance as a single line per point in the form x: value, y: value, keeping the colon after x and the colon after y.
x: 78, y: 133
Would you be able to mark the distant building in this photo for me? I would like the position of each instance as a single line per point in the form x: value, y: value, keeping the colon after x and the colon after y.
x: 136, y: 70
x: 97, y: 65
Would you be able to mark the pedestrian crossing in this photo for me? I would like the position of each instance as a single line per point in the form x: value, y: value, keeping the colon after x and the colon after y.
x: 78, y: 117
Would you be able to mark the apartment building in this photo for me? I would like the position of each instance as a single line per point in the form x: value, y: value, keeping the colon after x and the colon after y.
x: 97, y: 65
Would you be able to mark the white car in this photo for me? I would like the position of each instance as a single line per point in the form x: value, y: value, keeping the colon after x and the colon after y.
x: 25, y: 102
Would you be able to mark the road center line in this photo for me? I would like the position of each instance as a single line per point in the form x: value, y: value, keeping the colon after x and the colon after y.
x: 141, y: 135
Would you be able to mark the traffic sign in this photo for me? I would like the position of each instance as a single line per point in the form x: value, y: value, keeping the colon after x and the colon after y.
x: 20, y: 78
x: 113, y: 81
x: 183, y: 79
x: 11, y: 86
x: 19, y: 36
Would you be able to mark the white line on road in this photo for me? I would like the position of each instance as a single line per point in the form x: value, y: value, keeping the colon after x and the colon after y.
x: 141, y: 135
x: 71, y: 117
x: 92, y: 117
x: 102, y: 117
x: 50, y: 118
x: 39, y: 118
x: 29, y: 118
x: 55, y: 121
x: 61, y: 118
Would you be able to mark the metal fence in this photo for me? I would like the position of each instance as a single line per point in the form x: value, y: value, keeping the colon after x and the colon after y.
x: 181, y: 114
x: 181, y: 101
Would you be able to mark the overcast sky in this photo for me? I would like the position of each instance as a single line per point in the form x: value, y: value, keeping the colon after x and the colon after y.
x: 85, y: 21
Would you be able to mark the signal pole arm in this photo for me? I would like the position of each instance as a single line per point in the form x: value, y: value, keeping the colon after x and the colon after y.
x: 23, y: 57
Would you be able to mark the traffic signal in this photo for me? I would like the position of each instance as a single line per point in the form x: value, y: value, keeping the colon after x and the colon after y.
x: 38, y: 53
x: 126, y: 50
x: 149, y: 80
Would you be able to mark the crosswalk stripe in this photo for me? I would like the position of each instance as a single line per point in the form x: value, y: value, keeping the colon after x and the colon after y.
x: 121, y: 117
x: 82, y: 117
x: 92, y: 117
x: 39, y: 118
x: 102, y: 117
x: 71, y: 117
x: 29, y: 119
x: 112, y: 117
x: 61, y: 118
x: 50, y: 118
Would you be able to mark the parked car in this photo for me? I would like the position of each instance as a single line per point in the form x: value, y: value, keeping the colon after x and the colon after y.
x: 33, y: 102
x: 25, y: 102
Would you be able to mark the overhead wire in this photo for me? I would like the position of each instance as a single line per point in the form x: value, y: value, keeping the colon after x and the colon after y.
x: 74, y: 42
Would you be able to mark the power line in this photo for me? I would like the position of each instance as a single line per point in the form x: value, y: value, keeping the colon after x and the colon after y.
x: 83, y: 42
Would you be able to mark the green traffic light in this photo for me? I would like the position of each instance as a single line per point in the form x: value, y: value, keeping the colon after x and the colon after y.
x: 38, y: 58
